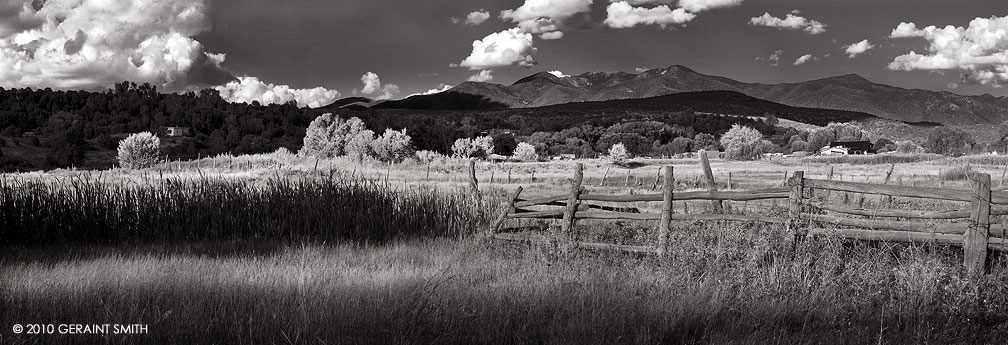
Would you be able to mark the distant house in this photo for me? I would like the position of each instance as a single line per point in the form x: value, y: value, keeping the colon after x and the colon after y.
x: 178, y: 131
x: 847, y: 148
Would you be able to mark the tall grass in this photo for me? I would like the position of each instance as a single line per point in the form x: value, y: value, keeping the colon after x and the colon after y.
x: 80, y: 210
x: 889, y: 158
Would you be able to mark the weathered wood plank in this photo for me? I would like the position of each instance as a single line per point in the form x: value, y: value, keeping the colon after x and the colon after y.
x: 509, y: 207
x: 882, y: 224
x: 541, y: 201
x: 666, y: 212
x: 538, y: 214
x: 618, y: 215
x: 916, y: 214
x: 892, y: 190
x: 976, y: 238
x: 711, y: 186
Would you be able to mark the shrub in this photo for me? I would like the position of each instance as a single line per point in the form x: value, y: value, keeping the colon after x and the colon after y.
x: 618, y: 154
x: 139, y: 150
x: 908, y: 147
x: 392, y: 146
x: 427, y: 157
x: 744, y: 143
x: 884, y: 145
x: 949, y: 141
x: 525, y: 152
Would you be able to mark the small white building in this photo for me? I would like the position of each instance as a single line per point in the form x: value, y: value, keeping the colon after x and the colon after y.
x: 177, y: 131
x: 834, y: 150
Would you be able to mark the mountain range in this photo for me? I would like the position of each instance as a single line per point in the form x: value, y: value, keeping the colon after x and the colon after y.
x: 849, y: 92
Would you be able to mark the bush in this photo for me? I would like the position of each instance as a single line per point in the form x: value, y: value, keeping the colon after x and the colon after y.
x: 618, y: 154
x: 139, y: 150
x: 884, y: 145
x: 392, y: 146
x: 427, y: 157
x: 799, y: 146
x: 744, y: 143
x: 908, y: 147
x: 525, y: 152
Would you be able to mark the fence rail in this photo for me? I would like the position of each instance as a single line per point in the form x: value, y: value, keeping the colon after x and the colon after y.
x: 970, y: 227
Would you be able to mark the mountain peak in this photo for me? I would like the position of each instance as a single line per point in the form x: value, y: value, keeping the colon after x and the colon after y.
x: 851, y: 77
x: 547, y: 76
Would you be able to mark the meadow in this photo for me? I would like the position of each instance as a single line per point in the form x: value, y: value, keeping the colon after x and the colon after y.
x: 282, y: 250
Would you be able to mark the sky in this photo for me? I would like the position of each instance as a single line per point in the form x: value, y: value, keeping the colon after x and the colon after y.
x: 316, y: 51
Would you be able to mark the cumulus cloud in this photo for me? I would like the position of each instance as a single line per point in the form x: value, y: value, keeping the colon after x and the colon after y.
x: 792, y: 21
x: 624, y: 15
x: 640, y: 69
x: 373, y: 87
x: 979, y: 50
x: 545, y: 17
x: 774, y: 58
x: 855, y: 49
x: 91, y: 44
x: 703, y: 5
x: 512, y: 47
x: 558, y: 74
x: 251, y: 89
x: 473, y: 18
x: 482, y: 76
x: 801, y: 60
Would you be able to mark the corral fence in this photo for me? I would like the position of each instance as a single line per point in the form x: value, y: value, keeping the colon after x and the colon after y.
x: 810, y: 213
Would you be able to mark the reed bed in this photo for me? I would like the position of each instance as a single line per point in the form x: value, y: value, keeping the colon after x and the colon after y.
x: 81, y: 210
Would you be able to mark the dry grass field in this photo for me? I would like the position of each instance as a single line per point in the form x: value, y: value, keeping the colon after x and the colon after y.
x: 282, y: 250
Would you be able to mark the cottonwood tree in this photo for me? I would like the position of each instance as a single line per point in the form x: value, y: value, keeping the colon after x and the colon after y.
x: 744, y: 143
x: 836, y: 132
x: 328, y: 136
x: 949, y: 141
x: 479, y: 147
x: 139, y: 151
x: 392, y: 146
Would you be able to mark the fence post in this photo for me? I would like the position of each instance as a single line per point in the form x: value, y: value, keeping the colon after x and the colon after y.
x: 473, y: 183
x: 797, y: 183
x: 975, y: 239
x: 709, y: 175
x: 606, y: 174
x: 572, y: 204
x: 509, y: 207
x: 666, y: 215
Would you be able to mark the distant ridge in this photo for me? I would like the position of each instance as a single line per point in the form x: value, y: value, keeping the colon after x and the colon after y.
x: 850, y: 92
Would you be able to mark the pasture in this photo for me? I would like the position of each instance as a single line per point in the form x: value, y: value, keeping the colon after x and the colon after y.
x: 280, y: 249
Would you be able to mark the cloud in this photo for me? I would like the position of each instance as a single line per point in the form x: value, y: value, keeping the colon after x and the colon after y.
x: 979, y: 50
x: 473, y: 18
x: 545, y: 17
x: 93, y: 44
x: 623, y: 15
x: 250, y: 89
x: 482, y: 76
x: 855, y: 49
x: 512, y: 47
x: 803, y: 59
x: 703, y: 5
x: 792, y: 21
x: 558, y: 74
x: 373, y: 87
x: 441, y: 88
x: 773, y: 59
x: 640, y: 69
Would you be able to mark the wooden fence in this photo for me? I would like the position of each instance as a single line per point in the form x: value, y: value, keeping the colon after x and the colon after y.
x: 808, y: 214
